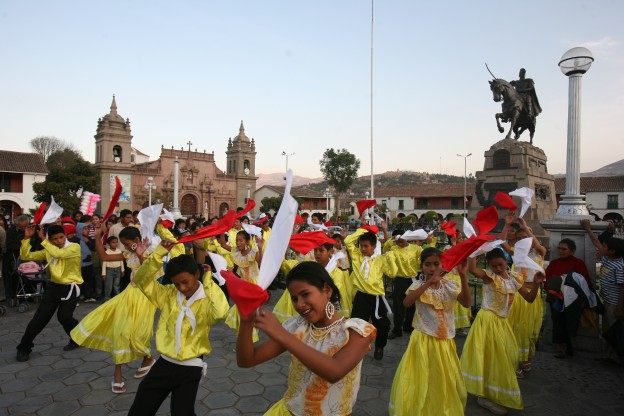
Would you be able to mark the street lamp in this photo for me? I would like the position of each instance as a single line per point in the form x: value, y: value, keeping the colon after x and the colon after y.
x: 248, y: 193
x: 327, y: 194
x: 574, y: 63
x: 465, y: 158
x: 150, y: 185
x: 287, y: 155
x: 367, y: 217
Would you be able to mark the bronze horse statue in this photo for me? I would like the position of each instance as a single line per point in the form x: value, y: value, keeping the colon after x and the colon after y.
x: 514, y: 109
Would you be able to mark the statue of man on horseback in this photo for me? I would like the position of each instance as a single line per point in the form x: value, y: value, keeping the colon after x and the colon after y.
x: 520, y: 105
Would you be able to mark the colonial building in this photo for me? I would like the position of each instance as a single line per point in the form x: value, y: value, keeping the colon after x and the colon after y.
x: 204, y: 189
x: 604, y: 195
x: 444, y: 198
x: 18, y: 172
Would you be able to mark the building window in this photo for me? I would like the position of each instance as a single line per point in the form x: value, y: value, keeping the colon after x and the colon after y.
x: 117, y: 156
x: 612, y: 202
x: 422, y: 203
x: 401, y: 204
x: 132, y: 158
x: 454, y: 203
x: 383, y: 202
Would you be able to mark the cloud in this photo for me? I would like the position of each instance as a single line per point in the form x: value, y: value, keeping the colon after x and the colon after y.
x: 604, y: 47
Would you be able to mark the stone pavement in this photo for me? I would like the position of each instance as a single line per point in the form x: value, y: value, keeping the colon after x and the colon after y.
x: 54, y: 382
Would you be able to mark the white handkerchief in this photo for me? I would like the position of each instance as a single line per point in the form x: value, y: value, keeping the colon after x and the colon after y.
x: 414, y: 235
x: 220, y: 263
x: 148, y: 217
x: 253, y: 229
x: 486, y: 248
x: 521, y: 255
x: 526, y: 194
x: 52, y: 214
x: 469, y: 231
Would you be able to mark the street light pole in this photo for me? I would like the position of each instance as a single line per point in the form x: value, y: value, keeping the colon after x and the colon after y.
x: 465, y: 159
x: 287, y: 155
x: 150, y: 185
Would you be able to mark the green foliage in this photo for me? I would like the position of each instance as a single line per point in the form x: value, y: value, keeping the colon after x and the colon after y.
x: 68, y: 172
x: 273, y: 203
x: 339, y: 168
x: 430, y: 215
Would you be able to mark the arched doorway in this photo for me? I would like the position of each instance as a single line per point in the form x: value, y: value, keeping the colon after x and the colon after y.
x: 189, y: 205
x: 10, y: 209
x: 223, y: 208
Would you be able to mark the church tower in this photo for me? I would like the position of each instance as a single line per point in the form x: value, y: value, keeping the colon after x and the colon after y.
x: 241, y: 164
x: 113, y: 147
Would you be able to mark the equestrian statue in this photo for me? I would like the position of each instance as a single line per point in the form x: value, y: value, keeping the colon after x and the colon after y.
x: 520, y: 104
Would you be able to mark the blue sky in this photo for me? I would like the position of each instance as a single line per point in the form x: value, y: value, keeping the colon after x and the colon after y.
x: 298, y: 74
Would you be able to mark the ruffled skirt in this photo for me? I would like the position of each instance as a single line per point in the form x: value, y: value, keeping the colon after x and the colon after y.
x: 428, y: 380
x: 526, y: 323
x: 489, y: 360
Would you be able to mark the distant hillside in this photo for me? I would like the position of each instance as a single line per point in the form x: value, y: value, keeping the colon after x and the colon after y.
x: 362, y: 184
x: 614, y: 169
x: 277, y: 179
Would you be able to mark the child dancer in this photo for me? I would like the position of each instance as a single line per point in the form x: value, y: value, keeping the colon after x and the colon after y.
x: 247, y: 258
x: 462, y: 314
x: 327, y: 349
x: 490, y: 355
x: 428, y: 380
x: 188, y: 308
x: 325, y: 256
x: 526, y: 318
x: 61, y: 293
x: 124, y: 325
x: 369, y: 301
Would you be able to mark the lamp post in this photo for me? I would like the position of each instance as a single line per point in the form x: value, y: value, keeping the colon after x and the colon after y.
x: 574, y: 63
x: 150, y: 186
x: 367, y: 217
x: 327, y: 194
x: 176, y: 173
x: 287, y: 155
x: 465, y: 159
x: 248, y: 193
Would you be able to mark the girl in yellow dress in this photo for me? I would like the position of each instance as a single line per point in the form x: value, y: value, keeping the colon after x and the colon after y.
x: 124, y: 325
x: 526, y: 318
x: 325, y: 256
x: 326, y: 349
x: 490, y: 355
x: 428, y: 380
x: 247, y: 258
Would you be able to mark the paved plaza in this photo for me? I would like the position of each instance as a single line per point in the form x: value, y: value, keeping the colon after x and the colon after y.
x: 77, y: 383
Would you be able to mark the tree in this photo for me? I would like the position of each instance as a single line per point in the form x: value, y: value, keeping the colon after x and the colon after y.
x: 340, y: 169
x: 68, y: 172
x: 47, y: 145
x: 273, y: 203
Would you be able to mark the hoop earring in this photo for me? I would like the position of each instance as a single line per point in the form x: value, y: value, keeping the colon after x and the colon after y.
x: 133, y: 247
x: 330, y: 310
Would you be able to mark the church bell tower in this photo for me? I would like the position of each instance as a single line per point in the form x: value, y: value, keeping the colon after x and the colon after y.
x: 113, y: 147
x: 241, y: 164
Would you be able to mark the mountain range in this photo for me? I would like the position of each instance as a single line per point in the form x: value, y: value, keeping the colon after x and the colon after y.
x: 400, y: 177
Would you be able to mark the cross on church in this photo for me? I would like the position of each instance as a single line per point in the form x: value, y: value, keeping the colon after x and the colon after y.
x: 189, y: 144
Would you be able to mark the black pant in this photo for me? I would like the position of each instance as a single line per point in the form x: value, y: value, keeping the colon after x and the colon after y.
x: 164, y: 378
x: 8, y: 275
x: 402, y: 316
x: 87, y: 287
x: 364, y: 308
x: 49, y: 304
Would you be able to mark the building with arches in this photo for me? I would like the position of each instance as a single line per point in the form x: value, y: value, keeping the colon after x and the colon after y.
x: 18, y: 172
x: 204, y: 189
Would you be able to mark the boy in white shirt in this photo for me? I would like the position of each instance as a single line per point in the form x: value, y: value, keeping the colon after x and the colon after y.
x: 112, y: 270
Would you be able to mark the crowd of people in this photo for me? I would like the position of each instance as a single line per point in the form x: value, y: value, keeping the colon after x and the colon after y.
x: 333, y: 310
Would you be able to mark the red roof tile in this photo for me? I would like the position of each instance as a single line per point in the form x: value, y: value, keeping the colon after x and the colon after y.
x: 22, y: 162
x: 594, y: 184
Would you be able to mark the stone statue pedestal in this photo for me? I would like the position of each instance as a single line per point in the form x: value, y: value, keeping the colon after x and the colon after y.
x: 512, y: 164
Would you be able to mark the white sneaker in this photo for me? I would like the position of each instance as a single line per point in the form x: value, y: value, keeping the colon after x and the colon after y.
x: 491, y: 406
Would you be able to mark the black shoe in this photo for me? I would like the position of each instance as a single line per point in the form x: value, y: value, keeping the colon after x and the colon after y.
x: 378, y: 353
x: 394, y: 335
x: 22, y: 356
x: 71, y: 346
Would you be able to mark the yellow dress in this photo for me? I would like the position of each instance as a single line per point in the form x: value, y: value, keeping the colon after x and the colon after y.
x: 309, y: 394
x: 526, y: 318
x: 247, y: 270
x: 284, y: 308
x: 461, y: 313
x: 123, y: 326
x: 490, y: 355
x: 428, y: 380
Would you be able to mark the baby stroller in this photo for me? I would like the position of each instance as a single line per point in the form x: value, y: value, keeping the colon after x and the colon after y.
x: 30, y: 283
